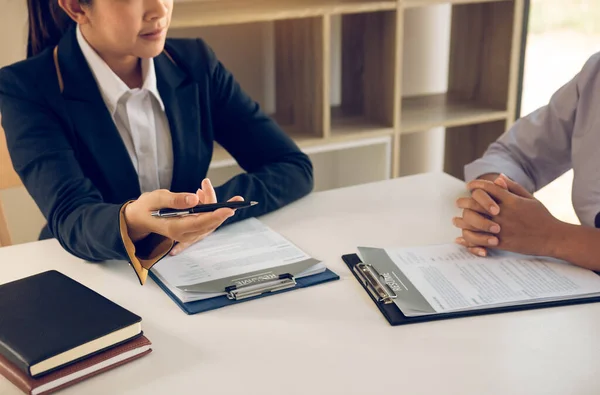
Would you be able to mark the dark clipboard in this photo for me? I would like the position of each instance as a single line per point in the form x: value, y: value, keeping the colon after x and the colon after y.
x: 395, y: 317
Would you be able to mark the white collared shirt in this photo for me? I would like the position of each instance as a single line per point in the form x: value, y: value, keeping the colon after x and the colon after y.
x: 139, y: 115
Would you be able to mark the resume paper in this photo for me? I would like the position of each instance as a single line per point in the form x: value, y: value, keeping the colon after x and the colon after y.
x: 447, y: 278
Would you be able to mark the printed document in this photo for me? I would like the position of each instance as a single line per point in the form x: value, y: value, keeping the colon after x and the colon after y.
x: 446, y: 278
x: 248, y: 246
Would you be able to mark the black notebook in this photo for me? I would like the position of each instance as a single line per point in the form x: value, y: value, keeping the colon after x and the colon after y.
x: 48, y: 321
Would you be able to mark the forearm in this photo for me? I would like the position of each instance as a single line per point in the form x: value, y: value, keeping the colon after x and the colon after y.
x: 273, y: 186
x: 90, y: 232
x: 500, y: 159
x: 576, y: 244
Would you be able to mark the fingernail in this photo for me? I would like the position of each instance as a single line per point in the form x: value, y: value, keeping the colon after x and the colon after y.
x: 493, y: 241
x: 495, y: 229
x: 460, y: 240
x: 494, y: 210
x: 481, y: 253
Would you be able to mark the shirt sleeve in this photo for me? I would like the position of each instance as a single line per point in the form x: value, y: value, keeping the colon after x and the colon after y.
x: 144, y: 254
x: 537, y: 148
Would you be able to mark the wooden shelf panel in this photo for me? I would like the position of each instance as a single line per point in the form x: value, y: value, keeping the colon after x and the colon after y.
x: 343, y: 130
x: 431, y: 111
x: 356, y: 127
x: 195, y: 13
x: 425, y: 3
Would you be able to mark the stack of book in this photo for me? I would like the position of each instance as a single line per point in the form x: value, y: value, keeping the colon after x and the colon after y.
x: 55, y: 332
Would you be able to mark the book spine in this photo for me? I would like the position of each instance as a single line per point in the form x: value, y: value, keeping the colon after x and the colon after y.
x: 14, y: 358
x: 15, y: 376
x: 96, y: 373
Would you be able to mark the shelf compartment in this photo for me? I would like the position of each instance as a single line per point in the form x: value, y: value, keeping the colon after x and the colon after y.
x: 421, y: 113
x: 353, y: 163
x: 355, y: 127
x: 463, y: 143
x: 369, y: 55
x: 300, y: 59
x: 195, y: 13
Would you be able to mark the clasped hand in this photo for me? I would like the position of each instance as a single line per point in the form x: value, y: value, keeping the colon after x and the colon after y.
x: 185, y: 230
x: 502, y: 214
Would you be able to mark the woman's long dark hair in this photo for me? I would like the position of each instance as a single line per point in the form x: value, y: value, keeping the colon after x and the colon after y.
x: 47, y: 24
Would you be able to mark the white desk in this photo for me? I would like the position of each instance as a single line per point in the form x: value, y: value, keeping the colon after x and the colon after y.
x: 331, y: 338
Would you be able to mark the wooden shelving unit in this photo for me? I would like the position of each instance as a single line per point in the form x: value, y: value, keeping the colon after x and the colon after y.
x: 196, y: 13
x: 482, y: 85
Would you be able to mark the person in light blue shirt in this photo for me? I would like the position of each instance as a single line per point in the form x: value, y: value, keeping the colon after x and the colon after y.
x: 502, y: 213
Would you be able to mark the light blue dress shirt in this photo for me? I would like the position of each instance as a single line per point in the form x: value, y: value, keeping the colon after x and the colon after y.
x: 558, y: 137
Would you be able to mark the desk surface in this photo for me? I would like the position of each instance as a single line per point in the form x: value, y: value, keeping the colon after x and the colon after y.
x: 331, y: 338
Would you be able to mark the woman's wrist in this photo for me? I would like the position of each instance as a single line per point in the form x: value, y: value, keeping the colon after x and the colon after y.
x: 135, y: 230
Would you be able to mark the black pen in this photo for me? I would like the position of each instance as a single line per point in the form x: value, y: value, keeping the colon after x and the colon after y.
x: 202, y: 208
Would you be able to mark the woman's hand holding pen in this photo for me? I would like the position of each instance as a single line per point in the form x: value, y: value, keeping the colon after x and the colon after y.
x: 504, y: 215
x: 206, y: 195
x: 185, y: 230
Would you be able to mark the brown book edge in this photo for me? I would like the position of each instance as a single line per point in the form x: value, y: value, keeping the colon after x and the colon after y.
x: 27, y: 384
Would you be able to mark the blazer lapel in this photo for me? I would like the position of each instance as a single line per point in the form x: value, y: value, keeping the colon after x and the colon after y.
x: 93, y: 122
x: 180, y: 97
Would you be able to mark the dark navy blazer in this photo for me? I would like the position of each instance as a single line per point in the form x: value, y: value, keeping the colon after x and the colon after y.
x: 67, y: 151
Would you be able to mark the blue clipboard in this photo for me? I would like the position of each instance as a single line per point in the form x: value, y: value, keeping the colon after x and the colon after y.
x: 201, y: 306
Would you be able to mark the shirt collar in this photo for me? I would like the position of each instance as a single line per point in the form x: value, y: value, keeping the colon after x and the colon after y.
x: 111, y: 86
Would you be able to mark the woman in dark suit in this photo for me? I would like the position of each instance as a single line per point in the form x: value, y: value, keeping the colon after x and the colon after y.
x: 107, y: 121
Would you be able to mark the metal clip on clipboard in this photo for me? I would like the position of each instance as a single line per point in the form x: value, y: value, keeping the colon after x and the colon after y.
x: 371, y: 280
x: 284, y: 281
